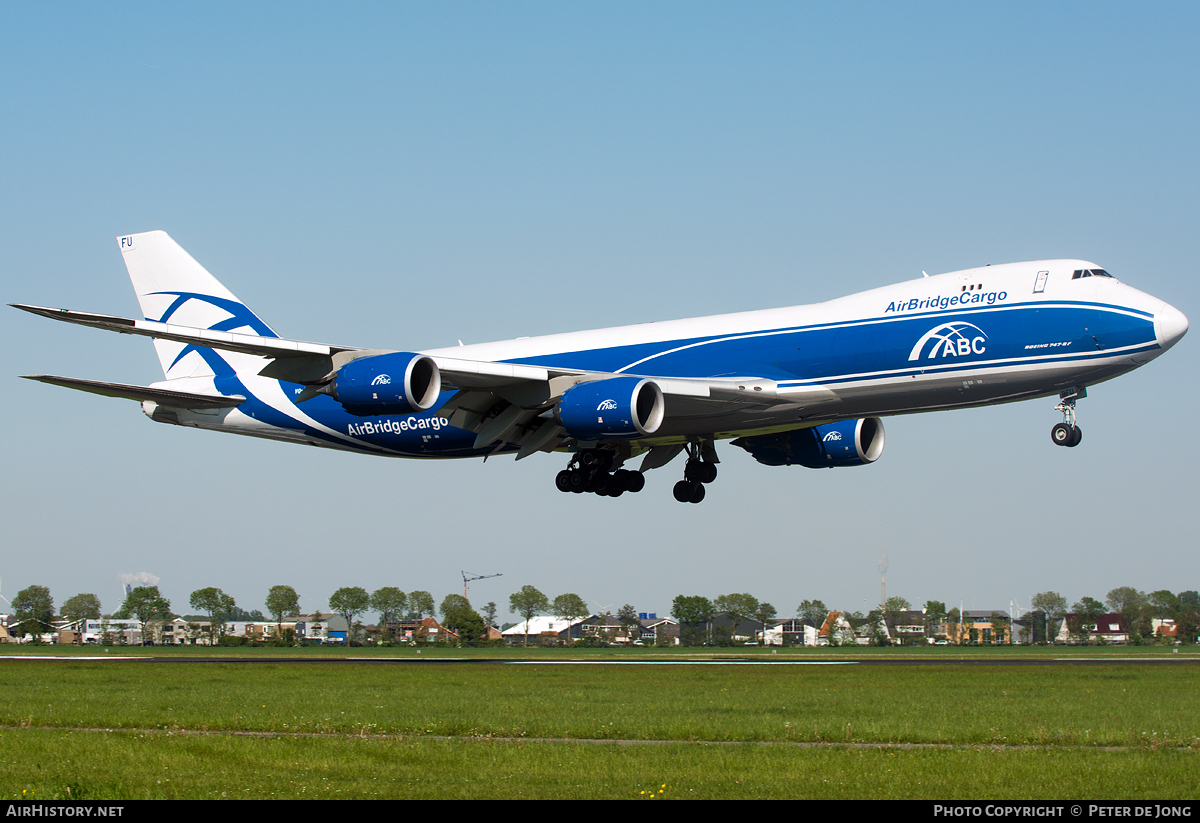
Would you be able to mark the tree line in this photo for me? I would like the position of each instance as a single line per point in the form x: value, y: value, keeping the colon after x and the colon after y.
x: 34, y: 612
x: 1138, y: 609
x: 1049, y: 611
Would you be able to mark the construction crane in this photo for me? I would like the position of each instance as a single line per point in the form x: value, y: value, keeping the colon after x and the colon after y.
x: 467, y: 579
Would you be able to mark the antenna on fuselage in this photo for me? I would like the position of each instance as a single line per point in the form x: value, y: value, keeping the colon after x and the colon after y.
x: 924, y: 272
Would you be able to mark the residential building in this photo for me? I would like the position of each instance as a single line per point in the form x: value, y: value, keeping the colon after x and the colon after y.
x: 546, y: 629
x: 977, y: 626
x: 326, y: 627
x: 836, y: 631
x: 108, y: 630
x: 657, y: 629
x: 1108, y: 628
x: 426, y: 630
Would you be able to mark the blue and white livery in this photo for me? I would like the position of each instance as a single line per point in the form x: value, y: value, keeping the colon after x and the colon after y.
x: 804, y: 385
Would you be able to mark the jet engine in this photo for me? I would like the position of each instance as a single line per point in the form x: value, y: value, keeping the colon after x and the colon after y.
x: 617, y: 408
x: 848, y: 443
x: 395, y: 383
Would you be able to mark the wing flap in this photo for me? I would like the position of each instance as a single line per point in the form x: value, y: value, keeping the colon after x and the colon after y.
x: 486, y: 374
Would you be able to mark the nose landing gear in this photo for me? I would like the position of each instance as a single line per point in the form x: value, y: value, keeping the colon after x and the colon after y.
x: 1068, y: 433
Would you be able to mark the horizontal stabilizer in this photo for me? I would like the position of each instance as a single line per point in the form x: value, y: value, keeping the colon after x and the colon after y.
x: 164, y: 397
x: 229, y: 341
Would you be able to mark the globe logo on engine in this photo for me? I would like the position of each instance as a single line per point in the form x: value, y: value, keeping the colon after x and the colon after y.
x: 831, y: 436
x: 382, y: 380
x: 955, y: 339
x: 607, y: 405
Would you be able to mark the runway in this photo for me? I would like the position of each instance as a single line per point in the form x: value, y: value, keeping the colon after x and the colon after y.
x: 714, y: 661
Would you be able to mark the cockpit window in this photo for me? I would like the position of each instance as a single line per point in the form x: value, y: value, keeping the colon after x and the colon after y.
x: 1078, y: 273
x: 1100, y: 273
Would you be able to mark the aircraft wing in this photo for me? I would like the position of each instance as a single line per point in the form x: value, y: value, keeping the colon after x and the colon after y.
x: 522, y: 413
x: 457, y: 373
x: 298, y: 361
x: 501, y: 402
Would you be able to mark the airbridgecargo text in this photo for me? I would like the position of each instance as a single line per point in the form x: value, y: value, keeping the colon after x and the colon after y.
x: 943, y: 302
x: 392, y: 426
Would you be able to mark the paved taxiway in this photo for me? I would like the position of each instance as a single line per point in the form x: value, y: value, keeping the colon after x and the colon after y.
x: 494, y: 661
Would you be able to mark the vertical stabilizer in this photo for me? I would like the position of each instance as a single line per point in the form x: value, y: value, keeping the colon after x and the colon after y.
x: 173, y: 288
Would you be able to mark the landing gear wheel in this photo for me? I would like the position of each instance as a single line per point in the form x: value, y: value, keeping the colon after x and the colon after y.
x: 601, y: 484
x: 1068, y: 433
x: 600, y: 459
x: 588, y: 471
x: 634, y: 481
x: 682, y: 491
x: 688, y: 491
x: 578, y: 481
x: 700, y: 471
x: 1063, y: 435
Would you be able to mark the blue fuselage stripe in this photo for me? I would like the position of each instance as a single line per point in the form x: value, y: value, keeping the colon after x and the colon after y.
x: 1001, y: 338
x: 836, y: 351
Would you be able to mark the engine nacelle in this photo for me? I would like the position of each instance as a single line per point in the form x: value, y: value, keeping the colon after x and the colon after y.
x: 848, y: 443
x: 616, y: 408
x: 396, y: 383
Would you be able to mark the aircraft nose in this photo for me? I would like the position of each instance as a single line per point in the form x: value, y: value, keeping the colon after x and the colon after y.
x: 1169, y: 325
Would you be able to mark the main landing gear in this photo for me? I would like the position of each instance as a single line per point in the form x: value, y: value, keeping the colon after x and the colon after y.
x: 697, y: 473
x: 588, y: 471
x: 1068, y: 433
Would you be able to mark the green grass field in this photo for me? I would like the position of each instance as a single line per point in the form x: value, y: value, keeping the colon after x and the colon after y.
x: 126, y: 729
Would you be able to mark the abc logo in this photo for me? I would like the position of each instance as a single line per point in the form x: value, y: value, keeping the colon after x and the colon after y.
x: 956, y: 339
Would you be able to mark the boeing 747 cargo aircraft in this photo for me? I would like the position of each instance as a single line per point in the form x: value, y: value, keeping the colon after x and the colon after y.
x: 805, y: 385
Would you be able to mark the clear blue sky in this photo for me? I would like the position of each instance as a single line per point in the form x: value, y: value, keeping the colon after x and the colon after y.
x: 406, y: 175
